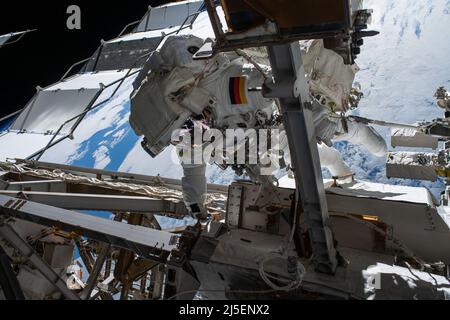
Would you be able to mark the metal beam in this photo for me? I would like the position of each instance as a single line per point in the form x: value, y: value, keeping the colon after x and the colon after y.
x: 37, y: 182
x: 170, y: 183
x: 85, y: 254
x: 102, y: 289
x: 9, y: 234
x: 93, y: 277
x: 38, y: 185
x: 101, y: 202
x: 147, y: 243
x: 291, y: 88
x: 8, y: 281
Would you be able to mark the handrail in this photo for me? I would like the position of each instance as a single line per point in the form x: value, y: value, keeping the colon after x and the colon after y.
x: 127, y: 26
x: 97, y: 58
x: 19, y: 38
x: 197, y: 13
x: 87, y: 59
x: 11, y: 115
x: 73, y: 66
x: 182, y: 26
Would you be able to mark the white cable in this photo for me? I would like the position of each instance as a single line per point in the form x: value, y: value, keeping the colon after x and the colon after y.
x: 247, y: 57
x: 300, y: 269
x: 294, y: 226
x: 290, y: 284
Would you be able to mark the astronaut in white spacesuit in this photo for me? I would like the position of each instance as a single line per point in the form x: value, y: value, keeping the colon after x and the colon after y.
x: 222, y: 93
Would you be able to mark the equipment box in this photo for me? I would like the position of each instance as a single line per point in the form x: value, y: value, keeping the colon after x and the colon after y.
x: 304, y: 16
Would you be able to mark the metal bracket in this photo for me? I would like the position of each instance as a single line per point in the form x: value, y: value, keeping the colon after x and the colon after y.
x: 287, y: 64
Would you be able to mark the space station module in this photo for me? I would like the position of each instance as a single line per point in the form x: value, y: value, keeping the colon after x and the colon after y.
x: 224, y: 92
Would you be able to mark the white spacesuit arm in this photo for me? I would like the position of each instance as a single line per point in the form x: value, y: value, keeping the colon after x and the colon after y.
x: 364, y: 135
x: 329, y: 129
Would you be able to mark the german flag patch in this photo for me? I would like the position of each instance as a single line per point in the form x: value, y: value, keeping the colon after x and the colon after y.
x: 237, y: 90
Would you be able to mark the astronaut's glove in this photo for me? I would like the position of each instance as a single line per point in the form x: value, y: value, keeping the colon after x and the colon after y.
x: 199, y: 212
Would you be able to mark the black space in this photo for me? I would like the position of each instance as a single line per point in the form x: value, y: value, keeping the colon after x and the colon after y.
x: 42, y: 57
